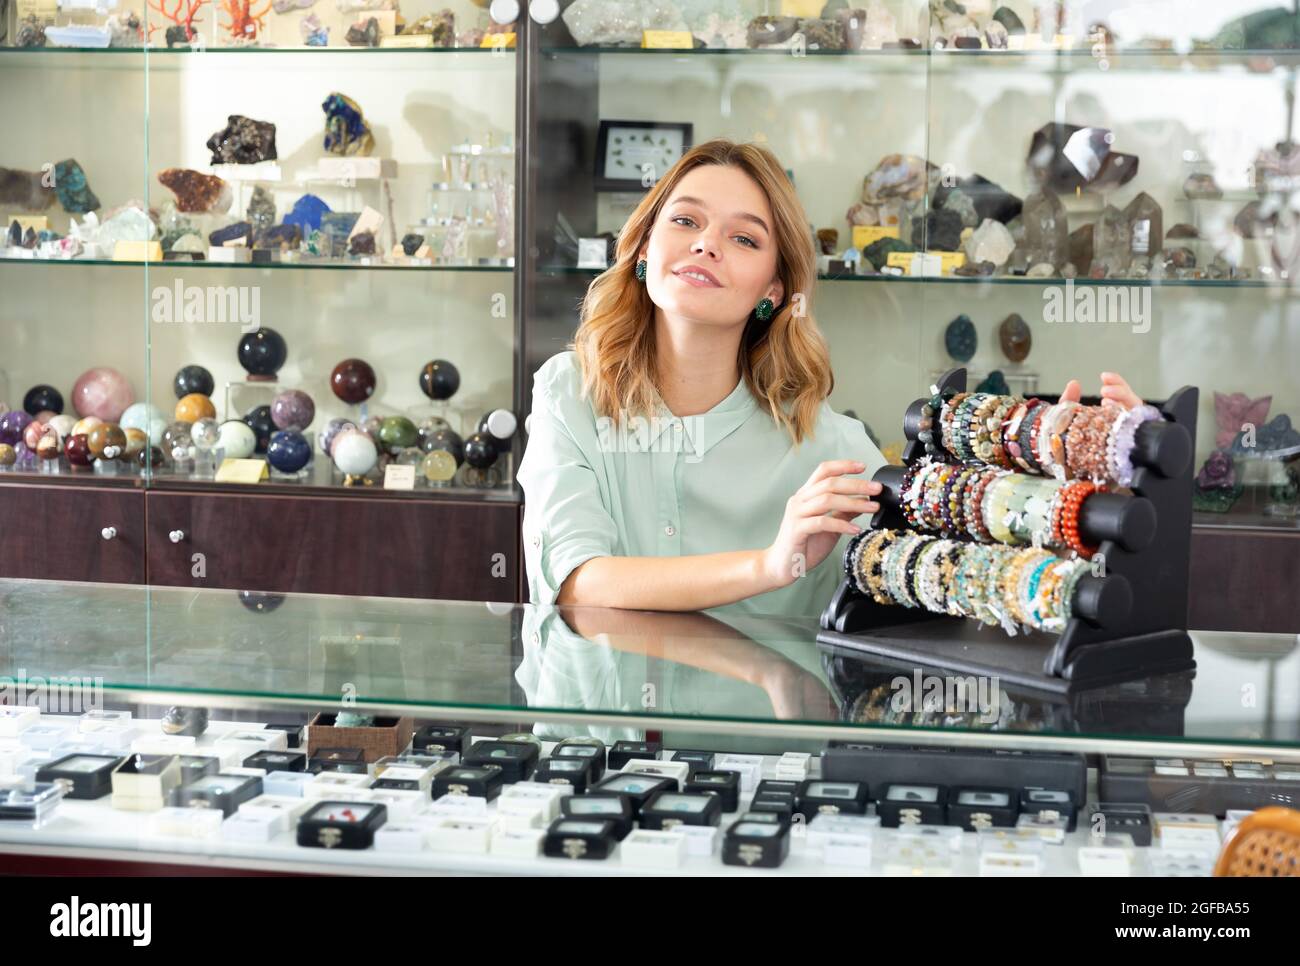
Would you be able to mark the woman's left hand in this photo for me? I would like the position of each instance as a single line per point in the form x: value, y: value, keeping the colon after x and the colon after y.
x: 1113, y: 388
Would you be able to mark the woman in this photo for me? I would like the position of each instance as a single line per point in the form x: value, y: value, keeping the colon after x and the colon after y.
x: 683, y: 456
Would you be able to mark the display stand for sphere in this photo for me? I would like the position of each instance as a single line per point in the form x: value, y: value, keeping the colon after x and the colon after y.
x: 1129, y: 623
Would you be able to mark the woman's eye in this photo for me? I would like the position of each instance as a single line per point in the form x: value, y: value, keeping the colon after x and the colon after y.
x: 680, y: 218
x: 747, y: 240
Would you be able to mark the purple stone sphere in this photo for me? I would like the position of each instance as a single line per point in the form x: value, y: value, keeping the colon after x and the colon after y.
x: 293, y: 409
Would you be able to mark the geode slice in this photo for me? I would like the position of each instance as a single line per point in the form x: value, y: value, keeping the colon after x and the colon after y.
x: 346, y: 131
x: 73, y: 189
x: 196, y: 191
x: 243, y: 141
x: 960, y: 338
x: 1015, y: 338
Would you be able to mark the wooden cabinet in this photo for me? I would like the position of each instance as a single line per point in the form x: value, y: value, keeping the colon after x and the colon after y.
x: 1244, y: 580
x: 60, y: 532
x: 323, y: 545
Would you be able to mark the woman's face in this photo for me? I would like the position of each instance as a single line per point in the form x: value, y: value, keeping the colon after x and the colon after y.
x: 712, y: 252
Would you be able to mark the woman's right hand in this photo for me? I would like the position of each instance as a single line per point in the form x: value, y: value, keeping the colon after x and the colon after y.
x: 815, y: 517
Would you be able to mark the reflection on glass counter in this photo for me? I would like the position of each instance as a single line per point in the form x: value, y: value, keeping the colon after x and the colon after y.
x: 719, y: 672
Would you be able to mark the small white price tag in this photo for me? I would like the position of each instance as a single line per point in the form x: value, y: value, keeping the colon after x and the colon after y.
x: 399, y: 477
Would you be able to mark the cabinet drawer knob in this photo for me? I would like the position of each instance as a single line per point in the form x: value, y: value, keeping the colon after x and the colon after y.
x: 108, y: 533
x: 176, y: 536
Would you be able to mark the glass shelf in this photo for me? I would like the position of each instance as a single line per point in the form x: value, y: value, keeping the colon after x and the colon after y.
x: 1037, y: 60
x: 154, y: 52
x: 589, y: 666
x: 255, y: 266
x: 1013, y: 280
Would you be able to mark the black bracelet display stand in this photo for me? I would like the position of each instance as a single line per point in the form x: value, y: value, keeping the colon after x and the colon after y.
x: 1129, y: 623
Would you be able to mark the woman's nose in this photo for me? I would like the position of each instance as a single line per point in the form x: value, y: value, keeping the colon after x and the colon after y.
x: 706, y: 245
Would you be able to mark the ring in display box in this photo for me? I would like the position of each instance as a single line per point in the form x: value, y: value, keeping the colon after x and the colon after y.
x: 1126, y: 623
x: 387, y: 737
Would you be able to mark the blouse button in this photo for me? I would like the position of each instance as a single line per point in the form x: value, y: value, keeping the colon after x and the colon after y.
x: 537, y: 541
x: 670, y: 530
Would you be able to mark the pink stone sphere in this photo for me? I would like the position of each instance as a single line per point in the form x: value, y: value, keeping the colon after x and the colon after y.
x: 102, y: 392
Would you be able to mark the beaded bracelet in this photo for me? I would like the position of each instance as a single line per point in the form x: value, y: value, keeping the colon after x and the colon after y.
x: 1123, y: 438
x: 873, y: 553
x: 1072, y: 498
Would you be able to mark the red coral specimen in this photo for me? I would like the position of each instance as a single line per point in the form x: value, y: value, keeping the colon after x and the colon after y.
x: 245, y: 21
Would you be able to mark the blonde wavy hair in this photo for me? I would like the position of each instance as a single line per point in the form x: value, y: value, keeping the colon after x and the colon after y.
x: 784, y: 361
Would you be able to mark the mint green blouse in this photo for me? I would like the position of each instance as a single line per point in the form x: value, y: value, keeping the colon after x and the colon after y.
x: 669, y: 486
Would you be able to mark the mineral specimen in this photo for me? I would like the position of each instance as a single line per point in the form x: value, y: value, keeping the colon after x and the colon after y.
x: 938, y: 230
x: 1112, y: 249
x: 990, y: 242
x: 364, y: 33
x: 362, y: 243
x: 243, y: 141
x: 24, y: 189
x: 991, y: 200
x: 240, y: 233
x: 877, y: 253
x: 314, y: 33
x: 442, y: 25
x: 73, y: 190
x: 261, y: 209
x: 1145, y: 225
x: 766, y: 31
x: 306, y: 213
x: 346, y: 131
x: 1046, y: 230
x: 1015, y: 338
x: 284, y: 237
x: 960, y: 338
x: 995, y: 383
x: 822, y: 34
x: 1201, y: 185
x: 196, y: 191
x: 1065, y: 158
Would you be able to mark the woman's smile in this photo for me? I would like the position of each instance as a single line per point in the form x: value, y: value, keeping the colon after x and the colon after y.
x: 698, y: 277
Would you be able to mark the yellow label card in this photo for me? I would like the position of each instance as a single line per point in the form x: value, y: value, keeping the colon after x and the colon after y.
x: 667, y: 39
x: 242, y: 471
x: 864, y: 235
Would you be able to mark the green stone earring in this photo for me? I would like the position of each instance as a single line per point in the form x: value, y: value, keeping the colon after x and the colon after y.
x: 640, y: 270
x: 764, y: 309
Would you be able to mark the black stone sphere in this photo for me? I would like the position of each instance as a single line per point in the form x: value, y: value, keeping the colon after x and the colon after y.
x: 263, y: 353
x: 192, y: 379
x: 480, y: 451
x: 41, y: 398
x: 439, y: 379
x: 259, y: 602
x: 263, y: 427
x: 449, y: 440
